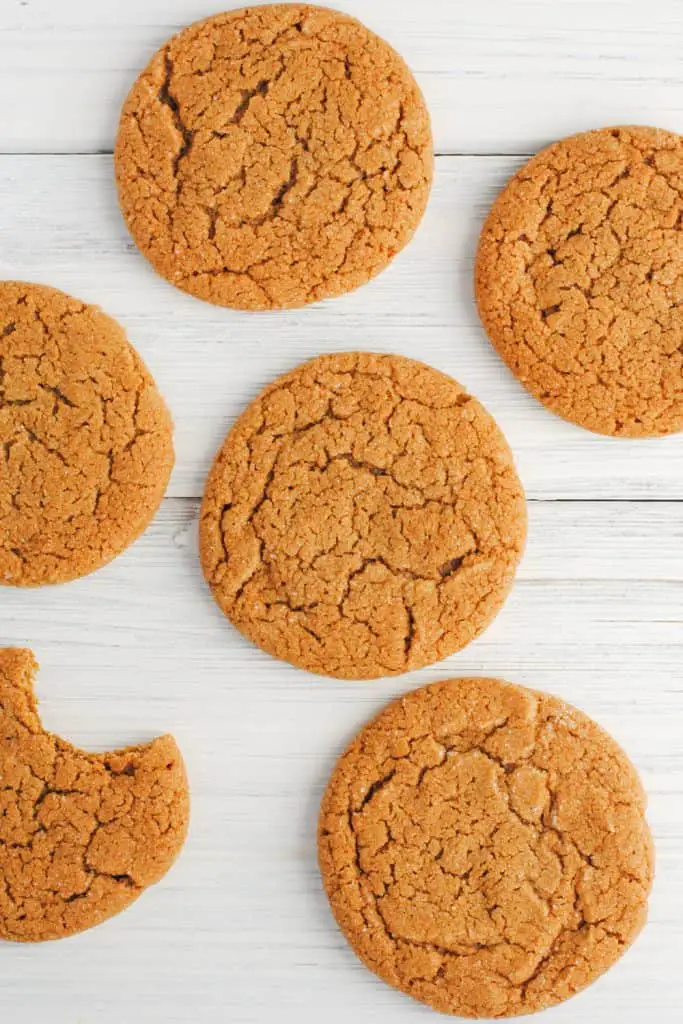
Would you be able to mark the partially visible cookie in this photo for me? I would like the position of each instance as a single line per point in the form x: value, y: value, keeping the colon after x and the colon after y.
x: 81, y: 835
x: 579, y: 279
x: 484, y: 848
x: 86, y: 441
x: 272, y: 156
x: 363, y: 517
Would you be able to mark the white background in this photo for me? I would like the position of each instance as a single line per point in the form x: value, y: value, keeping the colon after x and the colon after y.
x: 239, y: 931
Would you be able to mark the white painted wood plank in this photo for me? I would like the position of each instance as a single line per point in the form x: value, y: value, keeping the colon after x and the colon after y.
x: 61, y: 225
x: 600, y: 580
x: 600, y: 588
x: 499, y: 75
x: 240, y: 931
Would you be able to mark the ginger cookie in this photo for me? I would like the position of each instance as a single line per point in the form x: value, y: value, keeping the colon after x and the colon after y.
x: 81, y: 835
x: 272, y: 156
x: 484, y: 848
x: 579, y: 279
x: 86, y: 442
x: 363, y: 517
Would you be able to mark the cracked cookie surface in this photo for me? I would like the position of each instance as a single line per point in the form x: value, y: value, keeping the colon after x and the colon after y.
x: 81, y: 835
x: 579, y: 279
x: 273, y: 156
x: 484, y: 848
x: 86, y: 442
x: 363, y: 517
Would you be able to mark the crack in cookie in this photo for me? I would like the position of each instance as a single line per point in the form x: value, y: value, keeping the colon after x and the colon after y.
x: 363, y: 517
x: 579, y: 279
x: 273, y: 156
x: 86, y: 442
x: 81, y: 835
x: 484, y: 848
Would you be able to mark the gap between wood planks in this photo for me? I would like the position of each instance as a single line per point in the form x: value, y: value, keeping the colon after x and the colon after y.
x: 464, y: 154
x: 529, y: 501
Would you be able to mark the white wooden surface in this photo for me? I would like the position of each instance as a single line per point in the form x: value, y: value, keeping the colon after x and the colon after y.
x: 240, y: 931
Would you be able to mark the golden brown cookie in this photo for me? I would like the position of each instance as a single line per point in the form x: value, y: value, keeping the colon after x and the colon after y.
x: 86, y: 442
x: 273, y: 156
x: 579, y: 279
x: 81, y: 835
x: 363, y: 517
x: 484, y: 848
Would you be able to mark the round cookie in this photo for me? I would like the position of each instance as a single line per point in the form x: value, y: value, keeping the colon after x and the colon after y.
x: 81, y: 835
x: 484, y: 848
x: 86, y: 442
x: 272, y: 156
x: 579, y: 279
x: 363, y: 517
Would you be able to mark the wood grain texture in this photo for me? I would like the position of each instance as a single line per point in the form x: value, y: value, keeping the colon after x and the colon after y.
x: 210, y: 362
x: 240, y: 930
x: 500, y: 76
